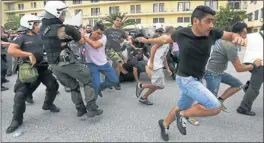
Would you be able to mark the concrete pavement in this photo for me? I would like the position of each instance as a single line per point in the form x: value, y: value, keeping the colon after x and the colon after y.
x: 125, y: 119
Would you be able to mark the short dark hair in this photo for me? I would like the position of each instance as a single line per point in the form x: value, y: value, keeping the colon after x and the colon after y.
x: 116, y: 17
x: 238, y: 27
x: 201, y: 11
x: 89, y: 25
x: 99, y: 25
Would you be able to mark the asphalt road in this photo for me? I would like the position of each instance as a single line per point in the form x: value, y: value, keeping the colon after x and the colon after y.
x: 125, y: 119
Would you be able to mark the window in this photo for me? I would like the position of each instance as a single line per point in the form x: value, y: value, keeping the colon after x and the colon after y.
x: 36, y: 14
x: 256, y: 14
x: 161, y: 7
x: 262, y: 13
x: 113, y: 9
x: 33, y: 5
x: 77, y: 2
x: 92, y: 21
x: 155, y: 7
x: 95, y: 1
x: 186, y: 19
x: 186, y: 6
x: 10, y: 7
x: 158, y: 7
x: 77, y: 11
x: 255, y: 30
x: 234, y: 4
x: 158, y: 20
x: 183, y: 6
x: 212, y: 3
x: 95, y: 11
x: 20, y: 6
x: 137, y: 21
x: 250, y: 15
x: 135, y: 8
x: 180, y: 19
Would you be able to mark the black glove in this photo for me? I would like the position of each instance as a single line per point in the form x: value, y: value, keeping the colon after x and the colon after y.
x: 39, y: 57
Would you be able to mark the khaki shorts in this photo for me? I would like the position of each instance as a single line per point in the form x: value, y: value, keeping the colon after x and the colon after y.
x: 115, y: 57
x: 157, y: 77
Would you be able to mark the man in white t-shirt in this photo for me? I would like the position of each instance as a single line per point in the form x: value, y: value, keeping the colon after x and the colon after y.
x: 97, y: 60
x: 154, y: 70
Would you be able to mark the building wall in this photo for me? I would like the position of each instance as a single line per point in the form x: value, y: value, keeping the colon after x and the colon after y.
x: 146, y: 15
x: 255, y: 11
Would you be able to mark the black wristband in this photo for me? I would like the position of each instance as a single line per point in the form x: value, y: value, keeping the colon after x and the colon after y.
x: 254, y: 66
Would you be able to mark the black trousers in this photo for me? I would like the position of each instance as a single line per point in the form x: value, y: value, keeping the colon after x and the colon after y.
x: 252, y: 92
x: 3, y: 67
x: 22, y: 90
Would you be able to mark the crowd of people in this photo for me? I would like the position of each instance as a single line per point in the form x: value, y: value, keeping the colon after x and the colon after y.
x: 50, y: 52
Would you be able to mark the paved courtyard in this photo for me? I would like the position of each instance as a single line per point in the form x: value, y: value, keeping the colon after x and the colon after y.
x: 125, y: 119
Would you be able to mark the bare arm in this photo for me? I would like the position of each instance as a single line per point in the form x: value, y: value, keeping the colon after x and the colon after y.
x: 94, y: 44
x: 130, y: 44
x: 241, y: 67
x: 15, y: 51
x: 234, y: 38
x: 5, y: 44
x: 166, y: 64
x: 164, y: 39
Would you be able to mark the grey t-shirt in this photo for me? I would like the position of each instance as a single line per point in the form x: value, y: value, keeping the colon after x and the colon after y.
x: 114, y: 38
x: 223, y: 51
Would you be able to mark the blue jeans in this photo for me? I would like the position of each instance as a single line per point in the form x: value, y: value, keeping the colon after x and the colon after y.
x: 192, y: 90
x: 111, y: 77
x: 213, y: 81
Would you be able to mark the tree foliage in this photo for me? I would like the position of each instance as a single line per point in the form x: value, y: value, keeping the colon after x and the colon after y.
x: 227, y: 16
x: 13, y: 22
x: 124, y: 19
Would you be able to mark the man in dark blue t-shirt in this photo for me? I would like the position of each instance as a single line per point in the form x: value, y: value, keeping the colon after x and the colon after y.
x: 195, y: 45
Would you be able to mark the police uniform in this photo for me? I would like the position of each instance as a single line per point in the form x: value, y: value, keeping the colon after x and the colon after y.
x: 65, y: 66
x: 29, y: 43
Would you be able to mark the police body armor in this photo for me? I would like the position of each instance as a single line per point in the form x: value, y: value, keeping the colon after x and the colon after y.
x: 52, y: 44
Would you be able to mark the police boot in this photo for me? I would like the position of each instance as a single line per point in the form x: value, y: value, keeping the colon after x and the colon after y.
x: 93, y: 110
x: 81, y: 110
x: 52, y: 107
x: 30, y: 99
x: 49, y: 98
x: 15, y: 123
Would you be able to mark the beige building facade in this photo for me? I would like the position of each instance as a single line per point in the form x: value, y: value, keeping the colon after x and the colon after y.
x: 255, y: 15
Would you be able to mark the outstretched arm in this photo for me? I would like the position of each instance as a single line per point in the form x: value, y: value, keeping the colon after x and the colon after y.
x: 164, y: 39
x: 234, y: 38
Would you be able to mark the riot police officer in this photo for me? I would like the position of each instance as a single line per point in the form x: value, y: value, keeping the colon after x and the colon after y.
x: 67, y: 69
x: 26, y: 47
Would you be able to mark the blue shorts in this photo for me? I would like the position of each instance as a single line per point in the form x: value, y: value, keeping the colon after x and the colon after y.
x: 213, y: 81
x: 192, y: 90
